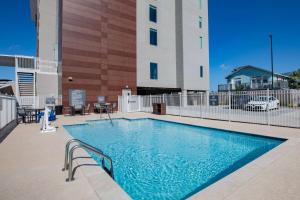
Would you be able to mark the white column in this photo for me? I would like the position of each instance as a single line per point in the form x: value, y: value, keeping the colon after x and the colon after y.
x: 207, y: 98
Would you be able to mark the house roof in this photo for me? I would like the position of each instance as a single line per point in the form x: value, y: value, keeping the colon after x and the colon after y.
x: 238, y: 69
x: 7, y: 88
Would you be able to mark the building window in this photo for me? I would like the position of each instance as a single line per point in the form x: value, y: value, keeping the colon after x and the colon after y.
x: 153, y: 71
x: 152, y: 14
x: 201, y: 42
x: 153, y: 37
x: 201, y: 71
x: 200, y: 22
x: 200, y: 4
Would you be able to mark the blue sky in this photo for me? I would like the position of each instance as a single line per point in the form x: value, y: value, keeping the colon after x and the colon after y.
x: 239, y: 32
x: 17, y: 34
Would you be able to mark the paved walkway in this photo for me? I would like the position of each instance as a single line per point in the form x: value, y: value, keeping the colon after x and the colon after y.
x: 31, y: 163
x: 31, y: 168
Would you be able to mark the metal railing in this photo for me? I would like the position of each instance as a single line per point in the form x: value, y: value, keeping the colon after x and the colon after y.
x: 69, y: 153
x: 270, y: 107
x: 37, y: 101
x: 38, y: 64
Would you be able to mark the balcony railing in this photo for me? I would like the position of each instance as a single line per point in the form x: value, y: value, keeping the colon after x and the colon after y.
x: 37, y: 64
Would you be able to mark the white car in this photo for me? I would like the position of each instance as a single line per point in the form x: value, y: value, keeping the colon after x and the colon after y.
x: 262, y: 103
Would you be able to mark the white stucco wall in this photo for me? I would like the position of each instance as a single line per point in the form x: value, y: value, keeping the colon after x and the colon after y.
x: 47, y: 84
x: 165, y: 52
x: 48, y: 29
x: 178, y: 53
x: 193, y: 55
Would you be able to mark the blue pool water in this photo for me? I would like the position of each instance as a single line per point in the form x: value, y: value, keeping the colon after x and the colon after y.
x: 163, y: 160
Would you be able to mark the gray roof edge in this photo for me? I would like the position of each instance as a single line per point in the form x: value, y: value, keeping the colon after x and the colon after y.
x: 237, y: 69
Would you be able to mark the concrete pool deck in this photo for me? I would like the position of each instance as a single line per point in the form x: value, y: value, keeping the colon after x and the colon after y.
x: 31, y: 163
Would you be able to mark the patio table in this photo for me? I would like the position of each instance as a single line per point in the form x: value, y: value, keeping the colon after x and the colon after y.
x: 33, y: 113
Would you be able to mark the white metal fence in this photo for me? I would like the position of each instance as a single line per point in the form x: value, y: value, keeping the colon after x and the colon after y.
x: 37, y: 101
x: 8, y: 110
x: 271, y: 107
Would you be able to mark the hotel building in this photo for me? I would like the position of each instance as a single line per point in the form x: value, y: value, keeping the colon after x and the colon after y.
x: 104, y: 46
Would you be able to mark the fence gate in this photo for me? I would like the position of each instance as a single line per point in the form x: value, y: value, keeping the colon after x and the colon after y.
x: 133, y: 103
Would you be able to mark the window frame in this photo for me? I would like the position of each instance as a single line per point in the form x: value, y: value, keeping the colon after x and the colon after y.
x: 200, y: 22
x: 201, y: 71
x: 200, y: 4
x: 152, y: 18
x: 153, y: 38
x: 201, y: 42
x: 153, y: 74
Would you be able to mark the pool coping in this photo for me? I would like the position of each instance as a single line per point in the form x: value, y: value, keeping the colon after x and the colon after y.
x: 225, y: 187
x: 104, y: 186
x: 233, y: 180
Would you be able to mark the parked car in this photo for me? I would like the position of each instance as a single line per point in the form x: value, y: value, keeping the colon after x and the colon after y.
x: 239, y: 101
x: 263, y: 103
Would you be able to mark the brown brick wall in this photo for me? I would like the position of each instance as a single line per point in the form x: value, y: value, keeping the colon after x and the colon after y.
x: 98, y: 47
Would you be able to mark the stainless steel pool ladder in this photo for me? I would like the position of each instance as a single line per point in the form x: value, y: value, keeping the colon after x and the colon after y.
x: 69, y: 153
x: 107, y: 111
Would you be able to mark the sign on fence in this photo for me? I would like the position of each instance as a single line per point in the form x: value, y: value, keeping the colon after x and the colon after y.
x: 213, y: 100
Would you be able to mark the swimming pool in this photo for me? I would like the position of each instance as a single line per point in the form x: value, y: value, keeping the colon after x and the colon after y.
x: 156, y: 159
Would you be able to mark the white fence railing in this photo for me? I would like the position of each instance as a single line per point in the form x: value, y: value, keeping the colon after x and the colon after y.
x: 37, y: 101
x: 36, y: 64
x: 271, y: 107
x: 8, y: 110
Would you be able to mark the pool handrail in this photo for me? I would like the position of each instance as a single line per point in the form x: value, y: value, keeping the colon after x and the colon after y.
x: 87, y: 147
x: 105, y: 106
x: 67, y: 149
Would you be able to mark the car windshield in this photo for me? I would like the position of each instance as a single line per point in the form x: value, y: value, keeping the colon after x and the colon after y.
x: 261, y: 98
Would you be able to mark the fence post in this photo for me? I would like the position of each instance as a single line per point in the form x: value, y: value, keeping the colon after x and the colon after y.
x: 11, y: 108
x: 150, y: 101
x: 268, y: 113
x: 139, y: 100
x: 163, y: 96
x: 200, y: 104
x: 229, y: 103
x: 180, y: 102
x: 15, y: 109
x: 7, y: 116
x: 1, y: 108
x: 127, y: 103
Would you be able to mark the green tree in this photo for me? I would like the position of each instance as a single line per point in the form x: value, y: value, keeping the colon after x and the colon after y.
x: 294, y: 81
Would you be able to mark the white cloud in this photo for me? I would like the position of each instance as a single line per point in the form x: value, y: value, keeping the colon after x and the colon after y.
x: 223, y: 66
x: 14, y: 47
